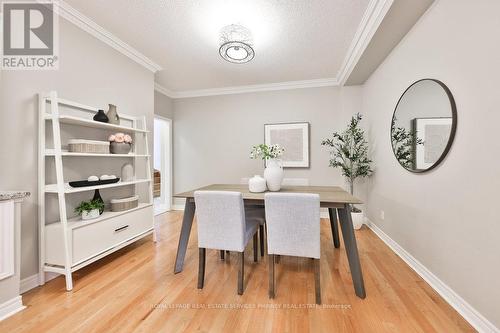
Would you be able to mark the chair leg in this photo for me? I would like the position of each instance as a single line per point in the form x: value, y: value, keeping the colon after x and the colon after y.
x: 241, y: 272
x: 201, y: 267
x: 221, y: 254
x: 317, y: 283
x: 255, y: 249
x: 271, y: 275
x: 261, y: 235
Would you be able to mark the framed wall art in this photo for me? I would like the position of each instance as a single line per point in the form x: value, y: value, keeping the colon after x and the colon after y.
x: 294, y: 137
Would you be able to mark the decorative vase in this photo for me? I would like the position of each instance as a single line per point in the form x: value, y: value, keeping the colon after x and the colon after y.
x: 97, y: 196
x: 101, y: 117
x: 127, y: 172
x: 112, y: 115
x: 274, y: 175
x: 257, y: 184
x: 90, y: 214
x: 120, y: 147
x: 357, y: 220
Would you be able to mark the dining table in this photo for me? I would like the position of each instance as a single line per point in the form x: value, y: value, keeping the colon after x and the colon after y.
x: 337, y: 200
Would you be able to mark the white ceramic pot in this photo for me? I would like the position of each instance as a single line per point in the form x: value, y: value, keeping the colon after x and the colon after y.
x: 257, y: 184
x: 357, y: 220
x: 90, y: 214
x: 273, y: 175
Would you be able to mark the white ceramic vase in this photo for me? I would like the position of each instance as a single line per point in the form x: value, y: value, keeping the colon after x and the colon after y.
x: 257, y: 184
x: 127, y: 172
x: 274, y: 175
x: 113, y: 117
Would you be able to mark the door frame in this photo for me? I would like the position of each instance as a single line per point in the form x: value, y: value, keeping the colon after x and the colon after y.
x: 170, y: 157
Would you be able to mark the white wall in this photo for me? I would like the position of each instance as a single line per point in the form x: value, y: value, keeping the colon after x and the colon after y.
x: 447, y: 218
x: 90, y: 72
x: 213, y: 136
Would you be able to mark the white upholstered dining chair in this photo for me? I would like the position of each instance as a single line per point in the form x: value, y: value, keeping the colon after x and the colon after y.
x: 222, y: 225
x: 293, y: 229
x: 292, y: 182
x: 258, y: 213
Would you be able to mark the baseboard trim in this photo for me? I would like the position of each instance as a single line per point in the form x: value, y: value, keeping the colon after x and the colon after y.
x: 51, y: 276
x: 28, y: 283
x: 11, y: 307
x: 31, y: 282
x: 478, y: 321
x: 178, y: 207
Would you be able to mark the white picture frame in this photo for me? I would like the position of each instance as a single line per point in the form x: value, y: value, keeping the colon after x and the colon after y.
x: 294, y: 137
x: 434, y: 143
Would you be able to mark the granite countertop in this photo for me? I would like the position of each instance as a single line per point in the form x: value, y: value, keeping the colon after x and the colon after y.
x: 12, y: 195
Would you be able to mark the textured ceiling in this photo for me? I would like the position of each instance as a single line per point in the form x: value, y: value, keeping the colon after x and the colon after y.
x: 294, y: 39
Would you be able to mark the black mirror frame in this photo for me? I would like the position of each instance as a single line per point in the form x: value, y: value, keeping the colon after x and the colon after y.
x: 453, y: 125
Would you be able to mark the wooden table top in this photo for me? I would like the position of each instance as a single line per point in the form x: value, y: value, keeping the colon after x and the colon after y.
x: 330, y: 196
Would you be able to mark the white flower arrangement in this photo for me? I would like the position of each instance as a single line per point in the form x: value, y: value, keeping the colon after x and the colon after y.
x: 120, y: 137
x: 266, y: 152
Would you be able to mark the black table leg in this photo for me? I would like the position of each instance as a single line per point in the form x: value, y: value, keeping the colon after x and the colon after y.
x: 187, y: 222
x: 335, y: 226
x: 352, y: 250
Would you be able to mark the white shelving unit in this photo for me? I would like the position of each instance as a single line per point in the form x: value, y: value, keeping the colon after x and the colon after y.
x: 69, y: 244
x: 54, y: 188
x: 51, y: 152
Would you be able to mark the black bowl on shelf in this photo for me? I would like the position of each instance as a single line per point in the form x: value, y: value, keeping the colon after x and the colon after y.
x: 85, y: 183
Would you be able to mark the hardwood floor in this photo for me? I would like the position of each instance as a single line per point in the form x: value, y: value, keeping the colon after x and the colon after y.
x: 135, y: 290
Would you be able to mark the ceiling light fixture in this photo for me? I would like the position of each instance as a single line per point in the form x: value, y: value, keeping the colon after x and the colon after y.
x: 236, y: 44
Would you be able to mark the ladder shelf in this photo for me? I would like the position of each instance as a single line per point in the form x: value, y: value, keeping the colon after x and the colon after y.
x: 70, y: 243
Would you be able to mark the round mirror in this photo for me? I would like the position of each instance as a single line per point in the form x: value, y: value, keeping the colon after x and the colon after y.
x: 423, y: 125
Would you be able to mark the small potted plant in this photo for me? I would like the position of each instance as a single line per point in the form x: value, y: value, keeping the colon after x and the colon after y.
x: 120, y: 143
x: 349, y: 152
x: 274, y: 170
x: 89, y: 209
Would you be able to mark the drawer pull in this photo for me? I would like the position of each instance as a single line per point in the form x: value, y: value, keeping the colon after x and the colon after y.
x: 121, y: 228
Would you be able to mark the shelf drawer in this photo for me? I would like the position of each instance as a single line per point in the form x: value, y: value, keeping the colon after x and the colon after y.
x: 92, y: 239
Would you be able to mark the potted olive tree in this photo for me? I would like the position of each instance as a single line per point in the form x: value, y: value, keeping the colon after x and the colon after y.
x: 349, y: 152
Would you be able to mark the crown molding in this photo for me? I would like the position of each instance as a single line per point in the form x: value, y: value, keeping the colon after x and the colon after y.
x: 373, y: 16
x: 327, y: 82
x: 165, y: 91
x: 83, y: 22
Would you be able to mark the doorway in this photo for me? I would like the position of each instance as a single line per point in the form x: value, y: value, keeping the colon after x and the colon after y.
x: 162, y: 184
